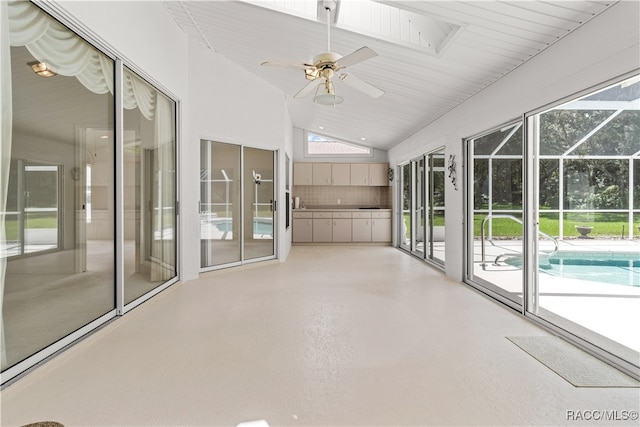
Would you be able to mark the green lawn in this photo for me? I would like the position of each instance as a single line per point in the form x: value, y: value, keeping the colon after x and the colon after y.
x: 604, y: 225
x: 11, y: 225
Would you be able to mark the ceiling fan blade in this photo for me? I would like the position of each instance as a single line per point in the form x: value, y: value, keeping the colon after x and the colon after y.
x: 307, y: 89
x: 353, y: 58
x: 362, y: 86
x: 287, y: 65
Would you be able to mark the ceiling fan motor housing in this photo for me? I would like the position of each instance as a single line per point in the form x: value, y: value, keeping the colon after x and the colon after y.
x: 327, y: 59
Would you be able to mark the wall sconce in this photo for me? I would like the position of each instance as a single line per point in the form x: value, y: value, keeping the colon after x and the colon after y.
x: 41, y: 68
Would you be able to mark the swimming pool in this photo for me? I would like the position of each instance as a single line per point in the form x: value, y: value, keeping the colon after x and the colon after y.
x: 260, y: 225
x: 619, y: 268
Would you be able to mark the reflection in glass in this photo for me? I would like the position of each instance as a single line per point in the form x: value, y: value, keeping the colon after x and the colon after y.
x: 149, y: 187
x: 58, y: 266
x: 219, y: 203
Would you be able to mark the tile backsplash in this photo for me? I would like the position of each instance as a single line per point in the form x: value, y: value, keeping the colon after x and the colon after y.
x: 326, y: 195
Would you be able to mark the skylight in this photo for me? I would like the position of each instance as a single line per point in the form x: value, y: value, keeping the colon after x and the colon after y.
x: 381, y: 21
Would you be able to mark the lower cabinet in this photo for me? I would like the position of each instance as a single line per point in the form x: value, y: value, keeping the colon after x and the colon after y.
x: 322, y: 230
x: 380, y: 229
x: 361, y: 230
x: 341, y: 227
x: 302, y: 227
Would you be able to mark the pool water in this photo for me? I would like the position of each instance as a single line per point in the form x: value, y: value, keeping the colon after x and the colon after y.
x: 619, y: 268
x: 259, y: 226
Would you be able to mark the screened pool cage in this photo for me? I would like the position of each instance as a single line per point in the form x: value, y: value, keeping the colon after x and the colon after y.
x: 586, y: 160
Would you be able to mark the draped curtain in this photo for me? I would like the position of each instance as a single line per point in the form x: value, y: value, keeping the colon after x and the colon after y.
x: 23, y: 24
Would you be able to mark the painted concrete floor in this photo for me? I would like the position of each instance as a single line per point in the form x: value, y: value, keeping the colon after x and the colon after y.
x: 338, y: 336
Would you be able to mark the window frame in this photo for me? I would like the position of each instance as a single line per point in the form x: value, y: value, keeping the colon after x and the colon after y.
x: 335, y: 155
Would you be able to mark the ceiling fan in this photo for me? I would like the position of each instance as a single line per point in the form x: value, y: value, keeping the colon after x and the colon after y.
x: 328, y: 65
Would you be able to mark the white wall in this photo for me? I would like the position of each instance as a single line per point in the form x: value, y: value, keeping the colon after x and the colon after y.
x: 229, y: 104
x: 602, y: 49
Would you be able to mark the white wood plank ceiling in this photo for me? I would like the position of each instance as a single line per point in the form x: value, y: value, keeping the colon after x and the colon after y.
x: 476, y: 43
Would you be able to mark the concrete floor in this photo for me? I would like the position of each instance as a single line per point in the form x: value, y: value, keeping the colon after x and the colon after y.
x: 336, y: 335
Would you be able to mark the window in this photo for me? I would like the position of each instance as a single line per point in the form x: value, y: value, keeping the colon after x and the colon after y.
x: 324, y: 146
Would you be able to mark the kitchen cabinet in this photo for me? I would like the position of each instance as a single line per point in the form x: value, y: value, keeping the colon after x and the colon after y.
x: 322, y: 227
x: 341, y: 174
x: 302, y: 173
x: 359, y: 174
x: 379, y: 174
x: 381, y: 226
x: 321, y: 174
x: 341, y: 227
x: 370, y: 174
x: 302, y: 227
x: 361, y: 227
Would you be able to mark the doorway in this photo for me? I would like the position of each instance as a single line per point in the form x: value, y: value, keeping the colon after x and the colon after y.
x: 237, y: 204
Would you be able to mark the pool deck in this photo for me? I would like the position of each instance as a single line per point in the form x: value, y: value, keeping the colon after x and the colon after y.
x: 610, y: 310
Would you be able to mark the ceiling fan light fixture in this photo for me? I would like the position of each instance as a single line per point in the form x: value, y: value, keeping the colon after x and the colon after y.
x: 41, y: 68
x: 326, y: 95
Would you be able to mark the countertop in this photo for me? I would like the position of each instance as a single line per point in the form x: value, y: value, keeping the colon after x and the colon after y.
x: 334, y: 208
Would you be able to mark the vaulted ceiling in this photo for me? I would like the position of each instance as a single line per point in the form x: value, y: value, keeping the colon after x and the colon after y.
x: 432, y: 55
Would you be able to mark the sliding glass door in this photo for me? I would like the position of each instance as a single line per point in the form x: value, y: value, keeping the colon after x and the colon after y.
x: 421, y: 225
x: 87, y: 218
x: 237, y: 204
x: 435, y: 207
x: 220, y: 241
x: 570, y: 245
x: 495, y: 217
x: 406, y: 200
x: 585, y: 155
x: 259, y: 203
x: 150, y: 188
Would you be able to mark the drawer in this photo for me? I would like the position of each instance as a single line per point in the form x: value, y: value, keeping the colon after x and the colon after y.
x: 302, y: 214
x: 322, y: 214
x: 342, y: 214
x: 380, y: 214
x: 365, y: 215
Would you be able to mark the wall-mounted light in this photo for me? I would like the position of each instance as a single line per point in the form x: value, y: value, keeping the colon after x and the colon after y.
x: 41, y: 68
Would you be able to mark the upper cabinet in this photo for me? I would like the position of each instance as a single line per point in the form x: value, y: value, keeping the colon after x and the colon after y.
x: 302, y: 173
x: 340, y: 174
x: 345, y: 174
x: 378, y: 174
x: 321, y: 174
x: 371, y: 174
